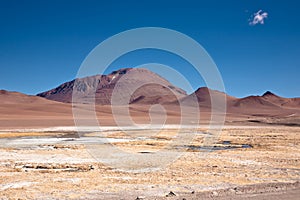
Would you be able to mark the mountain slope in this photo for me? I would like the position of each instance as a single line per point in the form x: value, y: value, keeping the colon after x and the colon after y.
x: 7, y: 97
x: 21, y: 110
x: 17, y: 103
x: 253, y: 101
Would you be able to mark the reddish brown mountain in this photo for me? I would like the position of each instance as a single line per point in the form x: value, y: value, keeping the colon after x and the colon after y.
x: 252, y: 101
x: 127, y: 85
x: 281, y: 101
x: 268, y: 101
x: 268, y: 104
x: 204, y: 96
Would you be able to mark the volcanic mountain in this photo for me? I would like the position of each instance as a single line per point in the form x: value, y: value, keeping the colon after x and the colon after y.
x: 124, y: 86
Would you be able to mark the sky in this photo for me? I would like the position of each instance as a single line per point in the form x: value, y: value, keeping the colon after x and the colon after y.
x: 254, y: 43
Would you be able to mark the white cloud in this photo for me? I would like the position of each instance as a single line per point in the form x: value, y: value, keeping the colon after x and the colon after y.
x: 258, y: 18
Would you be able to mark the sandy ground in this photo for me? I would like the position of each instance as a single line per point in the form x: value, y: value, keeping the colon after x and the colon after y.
x: 244, y: 162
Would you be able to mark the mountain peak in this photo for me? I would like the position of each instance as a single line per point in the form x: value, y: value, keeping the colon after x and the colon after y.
x: 3, y: 92
x: 268, y: 93
x: 121, y: 71
x: 206, y: 89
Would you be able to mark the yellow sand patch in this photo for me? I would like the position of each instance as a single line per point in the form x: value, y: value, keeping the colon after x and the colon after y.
x: 22, y: 134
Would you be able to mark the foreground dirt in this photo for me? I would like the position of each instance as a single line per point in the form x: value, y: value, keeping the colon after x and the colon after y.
x: 245, y: 162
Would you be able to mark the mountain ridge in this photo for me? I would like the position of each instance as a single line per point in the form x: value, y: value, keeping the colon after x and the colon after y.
x: 155, y: 90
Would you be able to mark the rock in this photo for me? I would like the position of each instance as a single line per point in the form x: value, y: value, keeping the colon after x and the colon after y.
x: 215, y: 193
x: 232, y: 190
x: 171, y: 194
x: 28, y: 166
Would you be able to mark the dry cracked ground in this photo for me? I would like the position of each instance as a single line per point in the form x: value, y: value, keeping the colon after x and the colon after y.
x: 243, y: 162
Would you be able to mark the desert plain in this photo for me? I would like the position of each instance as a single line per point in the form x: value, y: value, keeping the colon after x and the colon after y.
x: 251, y: 162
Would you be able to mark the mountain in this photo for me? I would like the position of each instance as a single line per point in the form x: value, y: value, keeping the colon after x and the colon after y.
x: 268, y: 100
x: 203, y: 96
x: 268, y: 104
x: 253, y: 101
x: 133, y: 86
x: 281, y: 101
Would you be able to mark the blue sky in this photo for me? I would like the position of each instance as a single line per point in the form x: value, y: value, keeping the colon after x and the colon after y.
x: 43, y: 43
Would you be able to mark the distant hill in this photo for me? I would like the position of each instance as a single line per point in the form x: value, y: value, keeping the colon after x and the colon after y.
x: 21, y: 110
x: 7, y: 97
x: 203, y: 96
x: 281, y: 101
